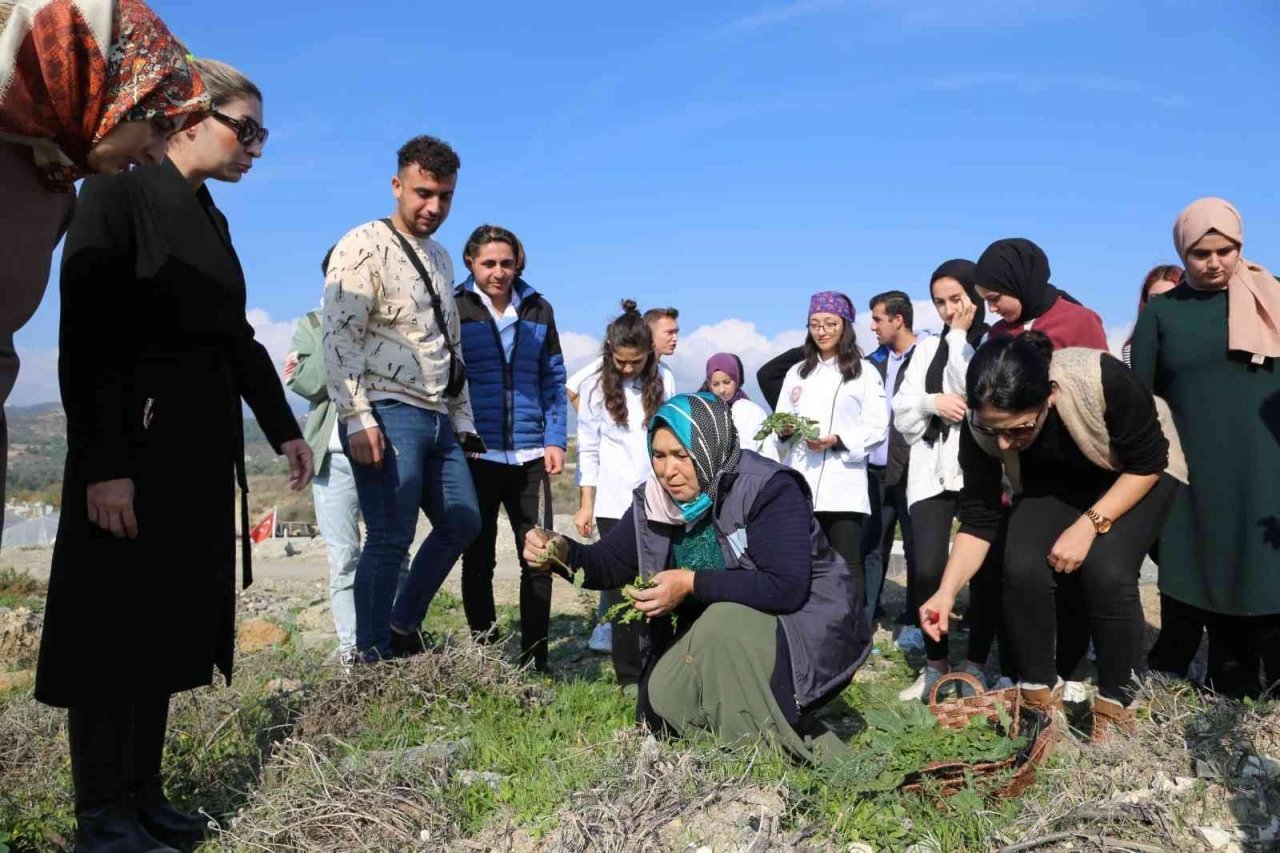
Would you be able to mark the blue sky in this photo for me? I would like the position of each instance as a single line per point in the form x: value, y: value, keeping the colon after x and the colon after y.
x: 730, y: 158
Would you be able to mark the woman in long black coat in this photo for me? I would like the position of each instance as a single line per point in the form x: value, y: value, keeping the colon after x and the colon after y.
x: 155, y: 357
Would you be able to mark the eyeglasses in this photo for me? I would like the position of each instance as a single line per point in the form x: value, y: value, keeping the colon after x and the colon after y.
x: 829, y: 326
x: 247, y: 130
x: 1013, y: 433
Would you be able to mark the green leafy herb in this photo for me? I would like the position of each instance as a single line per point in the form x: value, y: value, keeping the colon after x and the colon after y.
x: 624, y: 612
x: 902, y: 738
x: 787, y: 427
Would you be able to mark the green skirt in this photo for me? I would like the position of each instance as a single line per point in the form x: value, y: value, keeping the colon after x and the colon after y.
x: 716, y: 678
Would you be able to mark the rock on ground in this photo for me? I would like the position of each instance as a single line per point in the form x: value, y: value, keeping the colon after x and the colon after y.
x: 258, y: 634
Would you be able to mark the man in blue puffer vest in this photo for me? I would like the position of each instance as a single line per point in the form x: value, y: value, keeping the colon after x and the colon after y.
x: 517, y: 378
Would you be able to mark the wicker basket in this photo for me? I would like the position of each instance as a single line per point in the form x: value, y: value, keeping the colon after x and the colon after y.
x: 948, y: 777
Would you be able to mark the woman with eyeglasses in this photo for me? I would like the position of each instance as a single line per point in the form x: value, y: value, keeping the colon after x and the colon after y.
x: 1093, y: 469
x: 614, y: 410
x: 831, y: 387
x: 156, y: 356
x: 1013, y: 279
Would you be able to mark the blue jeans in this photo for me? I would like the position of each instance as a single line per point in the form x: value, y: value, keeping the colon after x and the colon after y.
x: 338, y: 514
x: 423, y: 468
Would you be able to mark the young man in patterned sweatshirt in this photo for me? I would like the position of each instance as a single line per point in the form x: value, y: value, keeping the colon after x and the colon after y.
x: 388, y: 367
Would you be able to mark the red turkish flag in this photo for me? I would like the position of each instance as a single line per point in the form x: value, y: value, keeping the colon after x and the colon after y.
x: 265, y: 529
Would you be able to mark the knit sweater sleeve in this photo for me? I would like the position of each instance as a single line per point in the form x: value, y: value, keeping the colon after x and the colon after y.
x: 778, y: 543
x: 612, y: 562
x: 1137, y: 441
x: 352, y: 283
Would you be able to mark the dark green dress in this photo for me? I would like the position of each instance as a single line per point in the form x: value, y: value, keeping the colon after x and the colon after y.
x: 1220, y: 548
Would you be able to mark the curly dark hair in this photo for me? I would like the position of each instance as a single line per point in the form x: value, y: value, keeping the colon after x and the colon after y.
x: 848, y: 355
x: 629, y: 331
x: 431, y: 154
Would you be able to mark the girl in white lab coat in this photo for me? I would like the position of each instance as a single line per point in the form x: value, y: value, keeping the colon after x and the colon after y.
x: 832, y: 387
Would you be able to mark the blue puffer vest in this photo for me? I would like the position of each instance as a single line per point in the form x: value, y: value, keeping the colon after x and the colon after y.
x: 829, y: 637
x: 520, y: 403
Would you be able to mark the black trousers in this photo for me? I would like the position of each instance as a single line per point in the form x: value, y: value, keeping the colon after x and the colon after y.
x: 627, y: 663
x: 116, y: 749
x: 1240, y: 647
x: 1102, y: 593
x: 515, y: 488
x: 844, y: 532
x: 931, y: 521
x: 888, y: 511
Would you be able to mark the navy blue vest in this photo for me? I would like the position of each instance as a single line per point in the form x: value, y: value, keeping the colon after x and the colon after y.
x: 829, y: 637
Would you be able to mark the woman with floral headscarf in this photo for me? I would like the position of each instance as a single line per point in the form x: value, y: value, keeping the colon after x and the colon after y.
x: 85, y: 86
x: 1210, y: 348
x: 753, y: 619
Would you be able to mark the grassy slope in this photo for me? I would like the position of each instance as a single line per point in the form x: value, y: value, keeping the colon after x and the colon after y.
x: 572, y: 771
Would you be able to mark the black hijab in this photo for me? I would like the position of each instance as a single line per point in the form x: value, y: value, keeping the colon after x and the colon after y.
x: 1019, y: 268
x: 965, y: 272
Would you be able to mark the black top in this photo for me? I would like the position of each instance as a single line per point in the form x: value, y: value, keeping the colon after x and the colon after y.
x: 1054, y: 463
x: 770, y: 376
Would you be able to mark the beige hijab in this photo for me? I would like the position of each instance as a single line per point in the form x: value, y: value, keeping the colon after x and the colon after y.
x: 1253, y: 295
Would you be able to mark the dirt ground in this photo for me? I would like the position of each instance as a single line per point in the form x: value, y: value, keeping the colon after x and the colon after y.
x: 297, y: 568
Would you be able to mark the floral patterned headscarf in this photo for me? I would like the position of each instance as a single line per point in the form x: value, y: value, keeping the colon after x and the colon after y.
x: 71, y: 71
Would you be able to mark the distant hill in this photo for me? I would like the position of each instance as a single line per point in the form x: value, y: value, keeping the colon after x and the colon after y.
x: 38, y: 450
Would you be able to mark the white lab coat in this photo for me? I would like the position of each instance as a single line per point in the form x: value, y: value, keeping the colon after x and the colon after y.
x: 932, y: 470
x: 613, y: 458
x: 747, y: 418
x: 856, y: 412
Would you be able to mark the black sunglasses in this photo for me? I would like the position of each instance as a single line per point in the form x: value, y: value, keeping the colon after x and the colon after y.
x: 247, y: 130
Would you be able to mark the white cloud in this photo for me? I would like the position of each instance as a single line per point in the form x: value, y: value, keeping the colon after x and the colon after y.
x: 739, y: 337
x: 275, y: 335
x: 578, y: 349
x: 771, y: 16
x: 37, y: 378
x: 1116, y: 336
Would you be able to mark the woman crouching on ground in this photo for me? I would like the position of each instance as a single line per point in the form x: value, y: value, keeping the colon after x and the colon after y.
x: 1093, y: 476
x: 753, y: 618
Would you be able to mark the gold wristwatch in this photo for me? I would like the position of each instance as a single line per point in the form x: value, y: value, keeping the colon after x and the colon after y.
x: 1101, y: 523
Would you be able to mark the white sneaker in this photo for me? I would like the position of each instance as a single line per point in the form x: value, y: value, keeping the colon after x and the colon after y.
x: 923, y: 685
x: 910, y: 639
x: 601, y: 639
x: 1075, y: 692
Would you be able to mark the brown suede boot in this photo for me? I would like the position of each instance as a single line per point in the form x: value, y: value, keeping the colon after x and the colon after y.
x: 1045, y: 699
x: 1110, y: 717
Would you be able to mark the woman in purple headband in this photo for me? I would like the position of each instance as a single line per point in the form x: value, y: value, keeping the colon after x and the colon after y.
x: 848, y: 404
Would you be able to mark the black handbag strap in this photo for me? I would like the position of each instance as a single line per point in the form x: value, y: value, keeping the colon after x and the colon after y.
x: 426, y: 278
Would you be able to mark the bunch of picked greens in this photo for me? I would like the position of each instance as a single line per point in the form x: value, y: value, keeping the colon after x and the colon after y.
x: 902, y: 738
x: 549, y: 554
x: 624, y: 612
x: 787, y: 427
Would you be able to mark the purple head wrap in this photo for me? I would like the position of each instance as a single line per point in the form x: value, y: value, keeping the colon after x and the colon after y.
x: 728, y: 364
x: 831, y: 302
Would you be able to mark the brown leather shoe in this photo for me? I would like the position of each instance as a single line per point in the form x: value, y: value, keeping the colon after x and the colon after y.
x: 1110, y: 717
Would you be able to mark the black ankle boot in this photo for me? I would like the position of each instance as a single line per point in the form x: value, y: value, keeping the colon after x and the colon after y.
x: 115, y: 828
x: 168, y: 823
x: 407, y: 645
